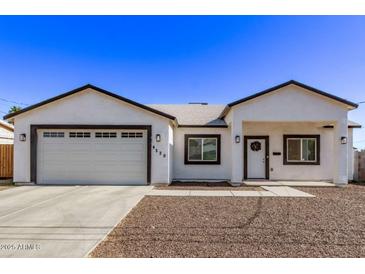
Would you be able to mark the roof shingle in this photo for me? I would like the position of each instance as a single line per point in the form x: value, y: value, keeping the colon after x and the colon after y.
x: 194, y: 114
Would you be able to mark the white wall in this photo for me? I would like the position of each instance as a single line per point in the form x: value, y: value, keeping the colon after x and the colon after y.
x: 351, y: 164
x: 356, y: 165
x: 275, y: 131
x: 6, y: 136
x: 296, y: 104
x: 171, y: 153
x: 290, y: 103
x: 215, y: 172
x: 91, y: 107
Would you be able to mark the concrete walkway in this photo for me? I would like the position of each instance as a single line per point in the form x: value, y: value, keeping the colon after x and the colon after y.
x: 274, y: 191
x: 61, y: 221
x: 288, y: 183
x: 285, y: 191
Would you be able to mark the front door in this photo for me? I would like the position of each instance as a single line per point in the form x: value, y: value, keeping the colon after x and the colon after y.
x: 256, y: 157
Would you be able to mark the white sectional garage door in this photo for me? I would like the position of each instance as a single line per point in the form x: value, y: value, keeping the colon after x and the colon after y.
x: 92, y: 157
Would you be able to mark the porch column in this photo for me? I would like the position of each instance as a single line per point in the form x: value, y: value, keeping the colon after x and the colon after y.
x: 237, y: 151
x: 340, y: 150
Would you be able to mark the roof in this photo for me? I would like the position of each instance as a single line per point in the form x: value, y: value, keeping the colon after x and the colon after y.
x: 190, y: 115
x: 74, y: 91
x: 6, y: 125
x: 293, y: 82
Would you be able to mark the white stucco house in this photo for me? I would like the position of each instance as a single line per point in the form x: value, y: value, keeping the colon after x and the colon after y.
x: 91, y: 136
x: 6, y: 133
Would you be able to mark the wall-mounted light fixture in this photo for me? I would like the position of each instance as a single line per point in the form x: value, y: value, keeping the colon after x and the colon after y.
x: 22, y: 137
x: 158, y: 138
x: 343, y: 140
x: 237, y: 139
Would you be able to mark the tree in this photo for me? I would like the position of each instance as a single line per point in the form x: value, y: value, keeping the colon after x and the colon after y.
x: 14, y: 109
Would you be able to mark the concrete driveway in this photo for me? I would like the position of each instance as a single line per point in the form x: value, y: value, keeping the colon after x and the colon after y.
x: 61, y: 221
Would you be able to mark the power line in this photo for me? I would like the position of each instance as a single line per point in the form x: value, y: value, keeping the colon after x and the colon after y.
x: 13, y: 102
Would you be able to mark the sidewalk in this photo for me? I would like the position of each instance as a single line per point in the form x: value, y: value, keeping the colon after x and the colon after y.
x: 270, y: 191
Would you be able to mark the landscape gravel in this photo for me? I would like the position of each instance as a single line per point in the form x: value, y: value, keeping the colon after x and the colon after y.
x: 330, y: 225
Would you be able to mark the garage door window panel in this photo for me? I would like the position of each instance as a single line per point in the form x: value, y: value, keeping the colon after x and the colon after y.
x: 132, y: 135
x: 53, y: 134
x: 79, y: 135
x: 105, y: 135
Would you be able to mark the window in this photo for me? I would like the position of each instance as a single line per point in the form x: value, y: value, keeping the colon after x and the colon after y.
x: 105, y: 135
x: 202, y: 149
x: 79, y: 135
x: 301, y: 149
x: 132, y: 134
x: 53, y: 134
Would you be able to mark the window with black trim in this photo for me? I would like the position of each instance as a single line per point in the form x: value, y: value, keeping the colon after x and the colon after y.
x: 132, y: 135
x: 105, y: 135
x: 79, y: 134
x: 202, y: 149
x: 53, y: 134
x: 301, y: 150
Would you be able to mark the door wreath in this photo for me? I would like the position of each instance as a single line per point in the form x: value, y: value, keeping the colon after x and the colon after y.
x: 256, y: 146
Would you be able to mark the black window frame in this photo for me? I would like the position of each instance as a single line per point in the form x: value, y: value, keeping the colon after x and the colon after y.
x: 302, y: 136
x: 201, y: 162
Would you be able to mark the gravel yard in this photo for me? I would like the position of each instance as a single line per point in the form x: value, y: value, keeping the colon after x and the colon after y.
x: 330, y: 225
x: 206, y: 186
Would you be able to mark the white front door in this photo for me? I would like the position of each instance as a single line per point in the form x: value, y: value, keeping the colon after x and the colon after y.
x: 256, y: 159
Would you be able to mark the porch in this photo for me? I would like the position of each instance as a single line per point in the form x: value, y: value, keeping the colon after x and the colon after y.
x: 306, y: 153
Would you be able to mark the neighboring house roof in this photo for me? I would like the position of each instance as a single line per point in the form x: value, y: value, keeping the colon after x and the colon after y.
x: 293, y: 82
x: 6, y: 132
x: 7, y: 126
x: 8, y: 116
x: 192, y: 115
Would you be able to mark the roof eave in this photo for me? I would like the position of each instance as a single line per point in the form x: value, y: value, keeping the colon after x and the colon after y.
x: 293, y: 82
x: 74, y: 91
x: 203, y: 126
x: 224, y: 112
x: 7, y: 127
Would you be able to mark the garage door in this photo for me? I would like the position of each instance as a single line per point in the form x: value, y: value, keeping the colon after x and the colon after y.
x: 92, y: 157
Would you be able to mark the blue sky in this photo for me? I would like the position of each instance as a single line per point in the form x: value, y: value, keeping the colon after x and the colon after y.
x: 179, y: 59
